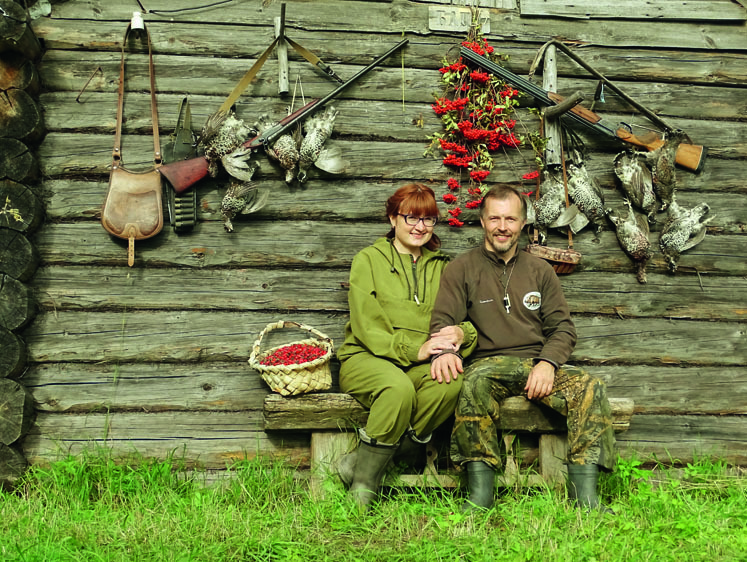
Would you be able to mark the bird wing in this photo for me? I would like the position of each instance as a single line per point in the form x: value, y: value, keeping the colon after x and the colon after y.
x: 258, y: 200
x: 238, y: 165
x: 330, y: 159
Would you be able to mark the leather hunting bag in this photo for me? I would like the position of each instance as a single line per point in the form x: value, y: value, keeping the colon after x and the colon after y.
x: 133, y: 207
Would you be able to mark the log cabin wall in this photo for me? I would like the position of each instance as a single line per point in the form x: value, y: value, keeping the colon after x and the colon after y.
x: 152, y: 360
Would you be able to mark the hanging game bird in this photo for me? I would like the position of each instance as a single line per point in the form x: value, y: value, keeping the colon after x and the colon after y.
x: 221, y: 139
x: 662, y: 161
x: 318, y: 129
x: 632, y: 233
x: 585, y: 192
x: 284, y: 149
x: 550, y: 209
x: 241, y: 198
x: 636, y: 182
x: 683, y: 229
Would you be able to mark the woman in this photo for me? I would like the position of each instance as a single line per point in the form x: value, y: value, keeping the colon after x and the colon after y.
x: 387, y: 349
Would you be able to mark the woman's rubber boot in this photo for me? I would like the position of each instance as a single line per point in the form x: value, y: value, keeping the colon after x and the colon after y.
x: 481, y: 478
x: 345, y: 467
x: 370, y: 466
x: 582, y: 487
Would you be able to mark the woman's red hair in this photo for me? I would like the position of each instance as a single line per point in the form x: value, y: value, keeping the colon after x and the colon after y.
x: 414, y: 199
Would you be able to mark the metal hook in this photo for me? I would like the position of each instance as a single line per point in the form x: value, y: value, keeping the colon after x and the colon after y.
x: 77, y: 98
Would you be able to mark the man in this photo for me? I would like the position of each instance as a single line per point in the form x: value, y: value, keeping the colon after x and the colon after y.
x: 525, y: 335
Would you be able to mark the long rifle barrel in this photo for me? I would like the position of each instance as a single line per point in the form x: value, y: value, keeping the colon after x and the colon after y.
x: 533, y: 90
x: 309, y: 108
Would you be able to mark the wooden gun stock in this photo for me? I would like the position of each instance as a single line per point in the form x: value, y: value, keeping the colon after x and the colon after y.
x: 689, y: 156
x: 184, y: 174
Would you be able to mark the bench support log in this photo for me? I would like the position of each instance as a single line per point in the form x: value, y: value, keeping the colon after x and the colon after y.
x: 332, y: 418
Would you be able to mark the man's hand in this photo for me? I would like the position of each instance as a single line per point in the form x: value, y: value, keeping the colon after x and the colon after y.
x: 540, y: 380
x: 446, y: 367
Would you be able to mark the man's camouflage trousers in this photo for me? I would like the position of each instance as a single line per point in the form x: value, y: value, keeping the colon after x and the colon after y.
x: 576, y: 395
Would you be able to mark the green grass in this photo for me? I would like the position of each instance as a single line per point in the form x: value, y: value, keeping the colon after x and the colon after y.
x: 91, y: 508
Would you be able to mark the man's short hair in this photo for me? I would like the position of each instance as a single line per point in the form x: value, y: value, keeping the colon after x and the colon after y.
x: 502, y: 192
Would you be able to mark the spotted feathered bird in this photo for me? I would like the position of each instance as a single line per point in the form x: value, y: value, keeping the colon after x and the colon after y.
x: 318, y: 128
x: 632, y: 234
x: 284, y: 149
x: 550, y: 209
x: 662, y: 161
x: 636, y: 182
x: 221, y: 139
x: 241, y: 198
x: 586, y: 193
x: 683, y: 229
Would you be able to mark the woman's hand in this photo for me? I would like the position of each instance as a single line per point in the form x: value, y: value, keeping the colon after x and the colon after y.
x: 434, y: 346
x: 454, y: 334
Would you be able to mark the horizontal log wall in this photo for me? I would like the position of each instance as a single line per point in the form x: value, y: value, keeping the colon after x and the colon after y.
x: 153, y: 359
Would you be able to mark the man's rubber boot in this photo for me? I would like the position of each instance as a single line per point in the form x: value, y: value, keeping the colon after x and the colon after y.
x: 370, y: 466
x: 582, y: 487
x: 411, y: 451
x: 481, y: 478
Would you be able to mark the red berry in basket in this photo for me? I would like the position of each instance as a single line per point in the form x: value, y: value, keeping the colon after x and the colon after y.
x: 293, y: 354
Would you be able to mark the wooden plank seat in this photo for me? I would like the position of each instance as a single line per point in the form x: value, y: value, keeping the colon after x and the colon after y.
x: 332, y: 417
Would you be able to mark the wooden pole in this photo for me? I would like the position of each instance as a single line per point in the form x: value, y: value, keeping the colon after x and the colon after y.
x: 282, y: 51
x: 552, y: 125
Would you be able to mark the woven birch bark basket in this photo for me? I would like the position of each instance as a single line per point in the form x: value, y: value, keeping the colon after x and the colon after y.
x: 296, y: 378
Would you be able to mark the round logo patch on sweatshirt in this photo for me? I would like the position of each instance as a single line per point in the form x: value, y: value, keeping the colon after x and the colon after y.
x: 532, y: 300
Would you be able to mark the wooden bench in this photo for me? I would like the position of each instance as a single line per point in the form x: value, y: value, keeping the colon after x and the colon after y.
x: 332, y: 417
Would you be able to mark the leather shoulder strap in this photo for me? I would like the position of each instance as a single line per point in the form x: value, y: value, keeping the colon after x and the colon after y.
x: 117, y: 152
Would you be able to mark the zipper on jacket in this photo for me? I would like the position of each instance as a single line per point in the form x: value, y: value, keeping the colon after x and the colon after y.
x: 415, y: 278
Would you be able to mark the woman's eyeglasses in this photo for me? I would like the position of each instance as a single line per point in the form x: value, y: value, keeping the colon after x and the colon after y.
x: 413, y: 220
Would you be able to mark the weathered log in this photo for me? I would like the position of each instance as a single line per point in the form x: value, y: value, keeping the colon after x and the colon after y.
x: 710, y: 10
x: 312, y: 412
x: 412, y: 17
x: 215, y: 439
x: 20, y: 116
x: 18, y: 72
x: 17, y: 304
x: 190, y: 336
x: 302, y: 244
x: 212, y: 386
x: 206, y: 439
x: 18, y: 257
x: 632, y: 63
x: 16, y: 161
x: 16, y: 411
x: 15, y: 32
x: 358, y: 199
x: 20, y: 209
x: 13, y: 356
x: 12, y: 466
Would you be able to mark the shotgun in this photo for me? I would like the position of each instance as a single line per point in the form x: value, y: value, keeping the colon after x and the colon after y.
x: 185, y: 173
x: 689, y: 156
